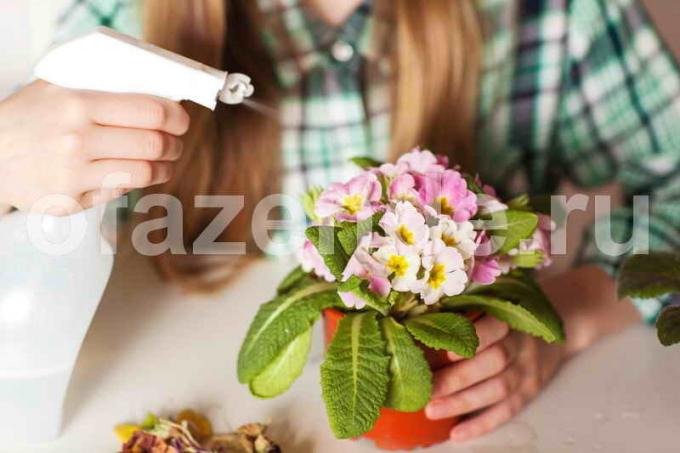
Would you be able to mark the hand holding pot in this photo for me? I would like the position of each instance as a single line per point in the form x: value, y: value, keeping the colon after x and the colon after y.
x: 510, y: 368
x: 55, y: 141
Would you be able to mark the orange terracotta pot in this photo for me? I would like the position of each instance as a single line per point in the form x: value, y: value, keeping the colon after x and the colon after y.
x: 396, y: 430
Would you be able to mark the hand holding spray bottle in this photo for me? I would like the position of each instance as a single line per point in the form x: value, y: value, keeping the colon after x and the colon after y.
x: 49, y: 295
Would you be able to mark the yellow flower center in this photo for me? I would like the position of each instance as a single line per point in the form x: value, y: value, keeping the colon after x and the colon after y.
x: 449, y: 240
x: 437, y: 276
x: 353, y: 203
x: 444, y: 205
x: 406, y: 235
x: 397, y: 265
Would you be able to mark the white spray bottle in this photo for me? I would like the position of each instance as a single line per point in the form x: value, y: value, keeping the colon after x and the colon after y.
x: 53, y: 270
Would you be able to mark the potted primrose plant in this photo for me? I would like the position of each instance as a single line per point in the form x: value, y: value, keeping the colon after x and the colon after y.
x: 652, y: 276
x: 399, y: 261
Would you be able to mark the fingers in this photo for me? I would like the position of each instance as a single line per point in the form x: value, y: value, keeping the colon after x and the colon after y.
x: 488, y: 420
x: 484, y: 365
x: 130, y: 174
x: 102, y: 142
x: 489, y: 330
x: 101, y: 196
x: 482, y: 395
x: 136, y: 111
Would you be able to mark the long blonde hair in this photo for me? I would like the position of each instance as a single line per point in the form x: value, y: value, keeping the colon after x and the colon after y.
x: 435, y: 57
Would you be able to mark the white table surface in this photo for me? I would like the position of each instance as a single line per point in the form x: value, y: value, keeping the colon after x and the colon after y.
x: 150, y: 348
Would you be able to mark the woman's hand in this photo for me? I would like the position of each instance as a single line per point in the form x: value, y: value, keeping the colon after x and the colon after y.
x: 508, y: 371
x: 55, y: 141
x: 511, y: 368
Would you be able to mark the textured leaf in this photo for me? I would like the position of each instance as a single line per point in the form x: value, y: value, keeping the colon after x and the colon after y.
x: 279, y: 375
x: 351, y: 232
x: 446, y: 331
x: 521, y: 290
x: 653, y: 275
x: 517, y: 317
x: 325, y: 239
x: 355, y: 375
x: 279, y: 322
x: 411, y: 379
x: 366, y: 162
x: 510, y: 227
x: 668, y: 325
x: 359, y: 288
x: 289, y: 282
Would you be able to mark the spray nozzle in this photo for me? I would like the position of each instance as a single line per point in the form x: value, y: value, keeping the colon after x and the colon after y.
x: 237, y: 87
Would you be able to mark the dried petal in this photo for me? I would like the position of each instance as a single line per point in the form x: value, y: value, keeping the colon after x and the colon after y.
x: 197, y: 424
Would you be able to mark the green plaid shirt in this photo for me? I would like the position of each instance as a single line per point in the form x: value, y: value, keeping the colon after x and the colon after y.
x: 571, y: 89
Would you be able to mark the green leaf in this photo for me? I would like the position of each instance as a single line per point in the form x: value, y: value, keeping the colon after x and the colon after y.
x: 668, y: 325
x: 520, y: 203
x: 281, y: 321
x: 653, y: 275
x: 528, y: 260
x: 355, y: 375
x: 359, y: 288
x: 446, y: 331
x: 309, y: 202
x: 521, y: 290
x: 351, y: 232
x: 325, y: 239
x: 411, y: 379
x: 516, y: 316
x: 510, y: 227
x: 366, y: 162
x: 279, y: 375
x: 291, y: 280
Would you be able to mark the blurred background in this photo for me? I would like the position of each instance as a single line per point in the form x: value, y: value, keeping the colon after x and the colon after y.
x: 26, y: 27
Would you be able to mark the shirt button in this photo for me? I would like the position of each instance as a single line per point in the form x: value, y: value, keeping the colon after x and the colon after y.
x: 342, y: 52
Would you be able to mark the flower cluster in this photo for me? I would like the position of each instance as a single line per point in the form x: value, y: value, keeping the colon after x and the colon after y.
x: 433, y: 236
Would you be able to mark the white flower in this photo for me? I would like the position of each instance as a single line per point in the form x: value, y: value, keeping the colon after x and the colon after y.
x: 402, y: 267
x: 444, y: 272
x: 406, y: 225
x: 460, y: 236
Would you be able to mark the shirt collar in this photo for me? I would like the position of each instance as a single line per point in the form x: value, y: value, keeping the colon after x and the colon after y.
x: 299, y: 41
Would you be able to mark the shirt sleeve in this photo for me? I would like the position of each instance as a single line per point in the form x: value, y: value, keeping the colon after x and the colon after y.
x: 81, y: 16
x: 619, y: 120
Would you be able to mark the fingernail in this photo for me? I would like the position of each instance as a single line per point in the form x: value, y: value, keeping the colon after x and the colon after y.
x: 452, y: 356
x: 432, y: 411
x: 459, y: 435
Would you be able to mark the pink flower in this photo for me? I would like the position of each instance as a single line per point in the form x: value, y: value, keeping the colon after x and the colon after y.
x: 311, y: 261
x: 447, y: 192
x: 402, y: 188
x: 421, y: 161
x: 356, y: 200
x: 363, y: 265
x: 406, y: 226
x: 391, y: 171
x: 444, y: 272
x: 485, y: 271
